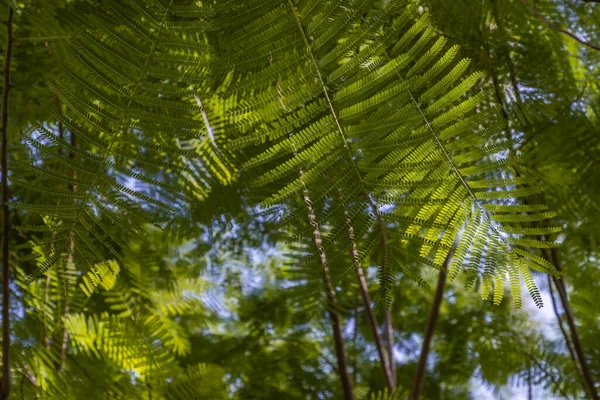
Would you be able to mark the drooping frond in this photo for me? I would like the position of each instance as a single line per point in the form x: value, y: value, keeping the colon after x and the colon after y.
x: 132, y: 141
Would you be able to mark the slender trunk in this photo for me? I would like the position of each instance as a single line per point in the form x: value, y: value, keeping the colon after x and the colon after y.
x: 434, y: 313
x: 579, y: 352
x: 366, y: 298
x: 389, y: 333
x: 560, y: 320
x: 553, y: 259
x: 389, y: 327
x: 383, y: 357
x: 355, y: 340
x: 6, y: 372
x: 332, y: 304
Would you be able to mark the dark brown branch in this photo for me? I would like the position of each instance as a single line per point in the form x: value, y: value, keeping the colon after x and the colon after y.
x: 558, y: 28
x: 366, y: 298
x: 550, y: 374
x: 434, y: 314
x: 553, y: 259
x: 6, y: 371
x: 562, y: 292
x: 560, y: 320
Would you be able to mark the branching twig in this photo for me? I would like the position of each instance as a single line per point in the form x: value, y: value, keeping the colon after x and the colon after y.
x: 560, y: 320
x: 558, y: 28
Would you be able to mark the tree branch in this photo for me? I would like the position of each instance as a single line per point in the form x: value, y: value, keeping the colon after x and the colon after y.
x: 364, y: 292
x: 6, y: 371
x: 558, y: 28
x: 389, y: 338
x: 355, y: 340
x: 332, y: 304
x: 388, y: 326
x: 434, y: 314
x: 577, y: 346
x: 553, y: 259
x: 560, y: 320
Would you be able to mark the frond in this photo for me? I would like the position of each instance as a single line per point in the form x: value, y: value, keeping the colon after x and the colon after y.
x: 396, y: 113
x: 112, y: 162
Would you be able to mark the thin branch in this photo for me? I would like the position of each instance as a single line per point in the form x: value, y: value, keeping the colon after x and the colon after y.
x: 364, y: 292
x: 389, y: 338
x: 556, y: 381
x: 26, y: 39
x: 332, y: 304
x: 577, y: 346
x: 6, y: 371
x: 355, y: 340
x: 389, y: 327
x: 552, y: 258
x: 560, y: 320
x: 558, y: 28
x: 529, y: 385
x: 330, y: 363
x: 329, y: 103
x: 562, y: 291
x: 434, y: 314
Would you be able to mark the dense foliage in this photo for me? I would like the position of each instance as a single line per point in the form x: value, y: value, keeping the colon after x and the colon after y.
x: 300, y: 199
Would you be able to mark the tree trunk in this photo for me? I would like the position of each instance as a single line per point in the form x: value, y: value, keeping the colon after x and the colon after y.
x: 6, y: 371
x: 434, y: 313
